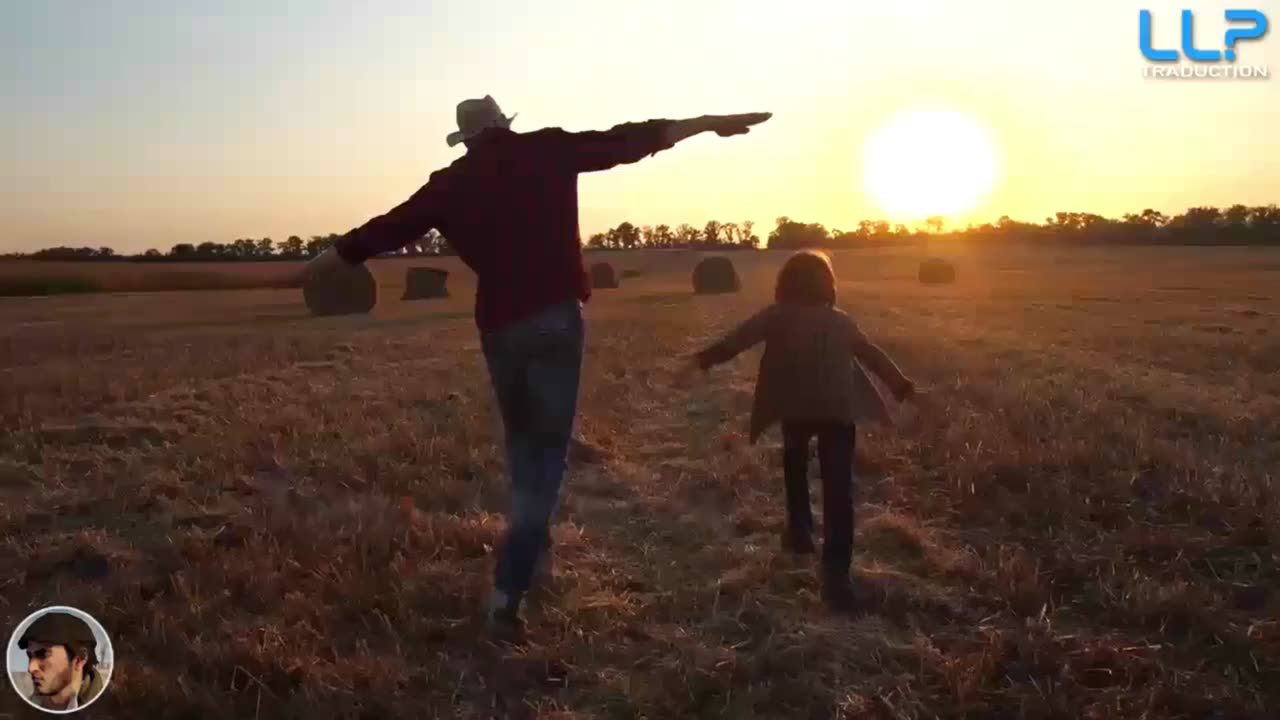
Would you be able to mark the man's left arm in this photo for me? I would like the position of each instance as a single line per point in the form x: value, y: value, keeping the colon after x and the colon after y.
x: 595, y: 150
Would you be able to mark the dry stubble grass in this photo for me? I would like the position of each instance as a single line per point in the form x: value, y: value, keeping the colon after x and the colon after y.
x: 283, y: 516
x: 21, y: 278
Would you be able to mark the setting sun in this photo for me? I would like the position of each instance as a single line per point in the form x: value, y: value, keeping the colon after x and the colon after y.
x: 923, y: 163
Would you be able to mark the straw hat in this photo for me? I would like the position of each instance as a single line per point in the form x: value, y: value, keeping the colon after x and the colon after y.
x: 476, y: 116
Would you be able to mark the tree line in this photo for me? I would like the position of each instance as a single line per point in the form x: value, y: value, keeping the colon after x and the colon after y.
x: 714, y: 234
x: 1235, y: 225
x: 243, y: 249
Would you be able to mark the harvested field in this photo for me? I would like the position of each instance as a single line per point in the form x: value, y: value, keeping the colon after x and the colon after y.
x: 282, y: 516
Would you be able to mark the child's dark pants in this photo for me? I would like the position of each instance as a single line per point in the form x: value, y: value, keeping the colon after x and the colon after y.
x: 835, y: 461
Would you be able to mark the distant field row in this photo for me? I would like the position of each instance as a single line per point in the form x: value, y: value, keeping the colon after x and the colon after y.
x: 22, y: 278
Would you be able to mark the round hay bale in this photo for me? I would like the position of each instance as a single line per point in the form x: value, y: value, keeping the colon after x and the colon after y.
x: 715, y: 275
x: 425, y: 283
x: 603, y: 276
x: 344, y: 290
x: 936, y: 271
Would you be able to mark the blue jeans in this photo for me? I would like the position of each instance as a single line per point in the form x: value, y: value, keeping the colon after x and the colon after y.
x: 534, y: 365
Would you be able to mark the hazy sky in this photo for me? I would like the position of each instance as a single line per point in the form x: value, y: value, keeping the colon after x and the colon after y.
x: 142, y: 123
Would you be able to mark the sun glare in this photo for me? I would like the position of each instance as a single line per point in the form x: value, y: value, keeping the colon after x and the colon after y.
x: 929, y: 162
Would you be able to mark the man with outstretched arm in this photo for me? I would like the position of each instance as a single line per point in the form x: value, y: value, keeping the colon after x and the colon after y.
x: 509, y: 208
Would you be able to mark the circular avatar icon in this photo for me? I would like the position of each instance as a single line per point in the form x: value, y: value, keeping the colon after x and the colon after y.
x: 60, y: 659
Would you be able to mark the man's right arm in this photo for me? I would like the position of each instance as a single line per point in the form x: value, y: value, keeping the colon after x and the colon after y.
x: 750, y: 332
x: 596, y: 150
x: 399, y: 226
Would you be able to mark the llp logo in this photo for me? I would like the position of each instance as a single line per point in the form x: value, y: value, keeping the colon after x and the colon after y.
x: 1256, y: 29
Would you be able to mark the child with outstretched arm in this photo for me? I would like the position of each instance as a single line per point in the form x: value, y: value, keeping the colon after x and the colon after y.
x: 812, y: 381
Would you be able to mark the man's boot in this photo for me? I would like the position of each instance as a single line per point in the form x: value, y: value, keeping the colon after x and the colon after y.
x: 504, y: 618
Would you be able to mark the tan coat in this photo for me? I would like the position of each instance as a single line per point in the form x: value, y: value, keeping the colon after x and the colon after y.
x: 812, y: 368
x: 90, y: 688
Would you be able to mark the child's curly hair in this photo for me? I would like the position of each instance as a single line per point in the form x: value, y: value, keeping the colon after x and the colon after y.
x: 807, y: 278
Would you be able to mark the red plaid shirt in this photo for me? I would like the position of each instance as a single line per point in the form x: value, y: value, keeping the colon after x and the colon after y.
x: 509, y: 207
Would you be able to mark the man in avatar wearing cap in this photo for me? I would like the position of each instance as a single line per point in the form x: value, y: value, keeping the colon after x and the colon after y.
x: 509, y: 208
x: 62, y: 661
